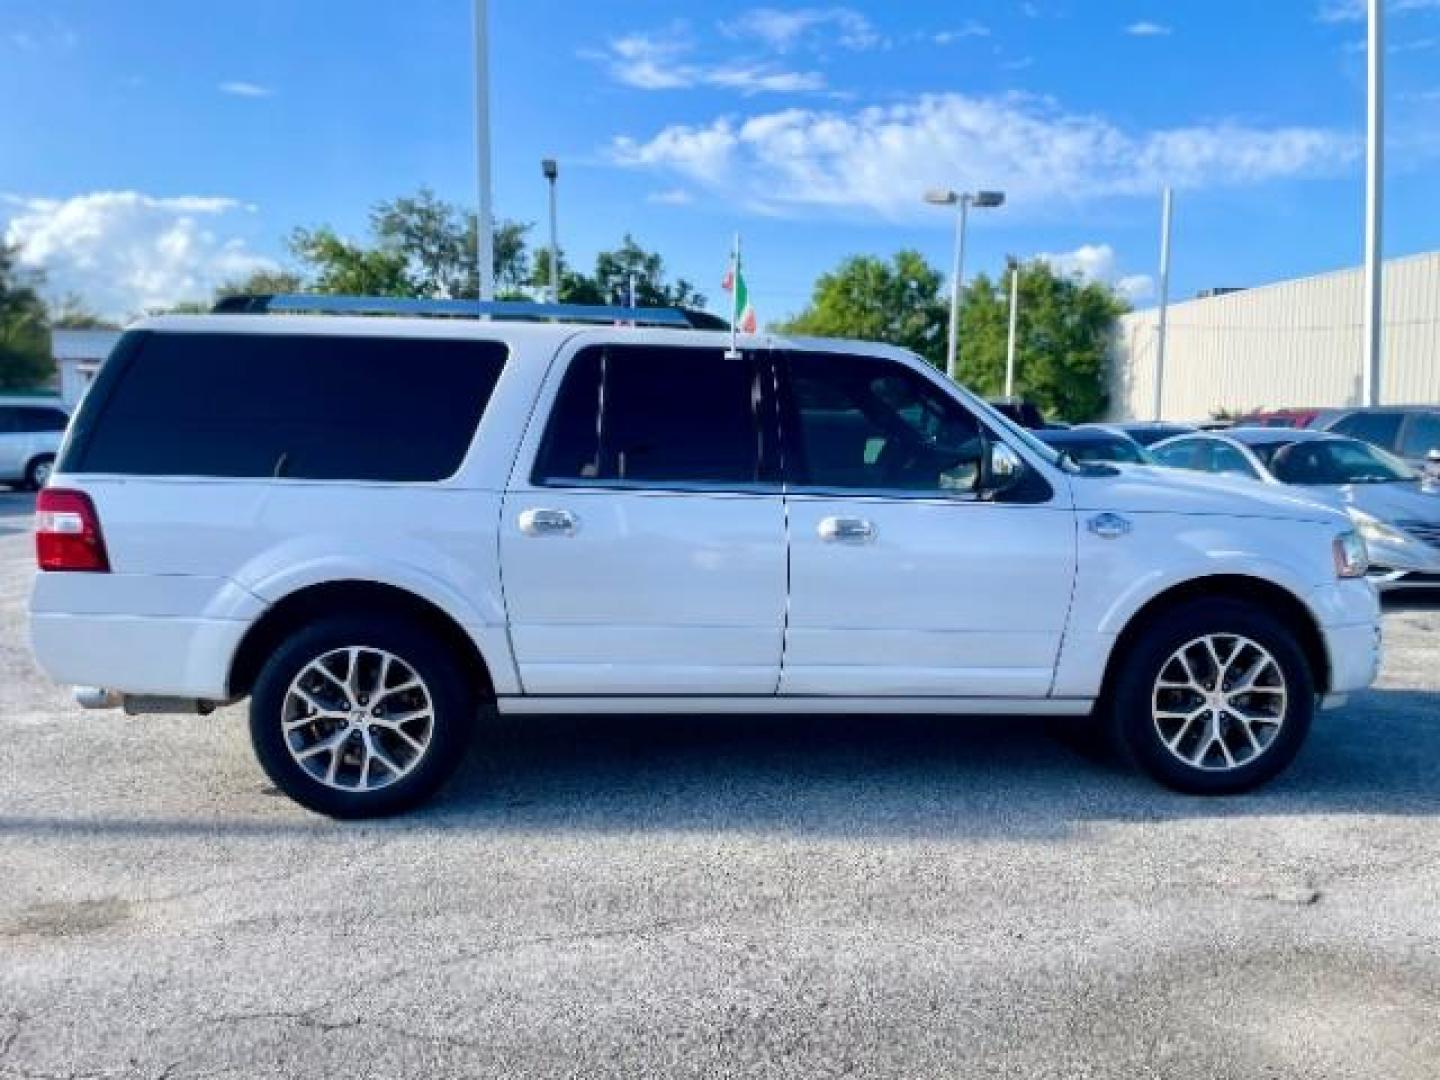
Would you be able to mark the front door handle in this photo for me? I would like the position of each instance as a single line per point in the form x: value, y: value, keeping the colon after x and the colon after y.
x: 541, y: 522
x: 844, y: 530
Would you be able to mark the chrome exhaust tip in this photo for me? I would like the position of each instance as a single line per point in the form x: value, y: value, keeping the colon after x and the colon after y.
x: 94, y: 697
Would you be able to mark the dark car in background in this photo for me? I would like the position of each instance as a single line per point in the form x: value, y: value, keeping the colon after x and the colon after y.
x: 1149, y: 432
x: 1095, y: 442
x: 1410, y: 432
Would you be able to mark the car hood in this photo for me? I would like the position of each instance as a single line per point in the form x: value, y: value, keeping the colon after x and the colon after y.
x: 1388, y: 502
x: 1153, y: 489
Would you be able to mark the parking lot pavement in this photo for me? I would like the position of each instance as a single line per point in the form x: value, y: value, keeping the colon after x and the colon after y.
x: 698, y: 897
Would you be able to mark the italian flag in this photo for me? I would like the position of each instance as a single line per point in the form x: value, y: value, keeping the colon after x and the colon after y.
x: 742, y: 312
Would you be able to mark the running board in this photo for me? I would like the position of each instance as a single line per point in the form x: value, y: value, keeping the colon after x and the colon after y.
x: 808, y: 704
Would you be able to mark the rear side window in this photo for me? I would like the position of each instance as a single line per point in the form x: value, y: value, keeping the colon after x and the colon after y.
x: 302, y: 406
x: 42, y: 419
x: 1378, y: 429
x: 654, y: 415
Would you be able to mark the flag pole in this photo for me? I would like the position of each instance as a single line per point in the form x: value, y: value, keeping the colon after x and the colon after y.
x: 734, y: 351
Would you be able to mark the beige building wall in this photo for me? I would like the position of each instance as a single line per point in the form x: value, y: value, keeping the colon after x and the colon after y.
x: 1293, y: 343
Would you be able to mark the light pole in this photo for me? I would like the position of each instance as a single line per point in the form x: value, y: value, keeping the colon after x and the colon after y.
x: 551, y: 171
x: 1014, y: 325
x: 484, y: 221
x: 1374, y: 205
x: 1167, y: 210
x: 963, y: 200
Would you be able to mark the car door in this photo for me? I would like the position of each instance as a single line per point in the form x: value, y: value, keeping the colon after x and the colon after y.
x: 643, y: 536
x: 903, y: 581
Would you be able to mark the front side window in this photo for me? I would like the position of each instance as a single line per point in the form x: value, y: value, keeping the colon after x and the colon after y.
x: 871, y: 424
x: 654, y: 415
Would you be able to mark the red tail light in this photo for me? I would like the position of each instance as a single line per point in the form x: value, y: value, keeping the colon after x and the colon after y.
x: 67, y: 532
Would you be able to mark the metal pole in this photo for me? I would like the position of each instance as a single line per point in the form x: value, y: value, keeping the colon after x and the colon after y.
x: 1010, y: 349
x: 957, y: 278
x: 1167, y: 205
x: 485, y: 224
x: 1374, y: 206
x: 554, y: 250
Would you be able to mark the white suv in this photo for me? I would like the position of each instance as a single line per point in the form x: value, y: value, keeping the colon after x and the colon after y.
x: 30, y: 433
x: 373, y: 528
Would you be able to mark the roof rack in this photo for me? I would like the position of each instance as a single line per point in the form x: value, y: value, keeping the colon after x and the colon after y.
x: 517, y: 310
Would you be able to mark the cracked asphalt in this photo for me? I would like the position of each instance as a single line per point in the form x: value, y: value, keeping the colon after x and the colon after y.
x: 893, y: 897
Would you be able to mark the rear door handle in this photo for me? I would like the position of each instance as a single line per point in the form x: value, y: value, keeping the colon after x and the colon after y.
x: 542, y: 522
x: 844, y: 530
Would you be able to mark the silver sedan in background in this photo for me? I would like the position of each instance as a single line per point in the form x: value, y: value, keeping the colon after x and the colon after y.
x: 1394, y: 507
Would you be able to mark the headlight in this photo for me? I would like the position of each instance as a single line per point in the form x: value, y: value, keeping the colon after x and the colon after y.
x: 1351, y: 558
x: 1376, y: 531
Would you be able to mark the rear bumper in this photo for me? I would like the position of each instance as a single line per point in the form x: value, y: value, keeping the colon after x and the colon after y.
x: 161, y: 655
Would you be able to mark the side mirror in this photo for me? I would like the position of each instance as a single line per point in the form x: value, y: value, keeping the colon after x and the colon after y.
x: 1001, y: 469
x: 1433, y: 457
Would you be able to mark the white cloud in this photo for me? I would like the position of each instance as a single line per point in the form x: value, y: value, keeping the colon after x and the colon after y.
x: 1097, y: 262
x: 781, y: 30
x: 663, y: 62
x: 123, y: 251
x: 671, y: 197
x: 874, y: 161
x: 1354, y: 10
x: 1147, y: 29
x: 238, y: 88
x: 970, y: 29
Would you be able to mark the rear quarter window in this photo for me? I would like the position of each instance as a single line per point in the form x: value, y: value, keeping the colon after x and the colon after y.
x: 301, y: 406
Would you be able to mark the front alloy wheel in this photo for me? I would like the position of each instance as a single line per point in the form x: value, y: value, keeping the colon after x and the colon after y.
x: 1212, y: 697
x: 1219, y: 702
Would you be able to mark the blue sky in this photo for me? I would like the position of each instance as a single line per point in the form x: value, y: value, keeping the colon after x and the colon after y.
x: 148, y: 150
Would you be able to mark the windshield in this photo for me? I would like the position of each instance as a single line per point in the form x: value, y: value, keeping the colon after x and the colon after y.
x: 1336, y: 461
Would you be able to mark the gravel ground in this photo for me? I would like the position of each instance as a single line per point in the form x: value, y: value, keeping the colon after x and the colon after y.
x: 716, y: 897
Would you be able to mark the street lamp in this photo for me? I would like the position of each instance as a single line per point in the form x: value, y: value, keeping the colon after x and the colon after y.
x: 964, y: 200
x: 551, y: 171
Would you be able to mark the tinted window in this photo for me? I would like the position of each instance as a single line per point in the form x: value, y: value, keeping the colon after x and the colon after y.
x: 305, y: 406
x: 1226, y: 459
x: 9, y: 419
x: 1422, y: 435
x: 1376, y: 428
x: 1338, y: 461
x: 868, y: 423
x: 1099, y: 448
x: 1185, y: 454
x: 42, y: 419
x: 646, y: 414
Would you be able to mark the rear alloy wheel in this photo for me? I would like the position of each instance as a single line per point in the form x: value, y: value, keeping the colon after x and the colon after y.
x: 37, y: 474
x: 358, y: 718
x: 1218, y: 698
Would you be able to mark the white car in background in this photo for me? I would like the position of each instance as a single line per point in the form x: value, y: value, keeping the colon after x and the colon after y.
x: 1396, y: 509
x: 374, y: 527
x: 31, y: 430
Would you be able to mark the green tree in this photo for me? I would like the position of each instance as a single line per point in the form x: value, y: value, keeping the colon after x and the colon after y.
x: 613, y: 271
x: 262, y: 282
x: 25, y: 360
x: 1062, y: 339
x: 419, y: 246
x: 72, y: 313
x: 868, y: 298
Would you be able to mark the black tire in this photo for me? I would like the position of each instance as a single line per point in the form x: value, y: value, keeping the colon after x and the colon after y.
x: 1135, y: 731
x: 453, y: 705
x: 34, y: 481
